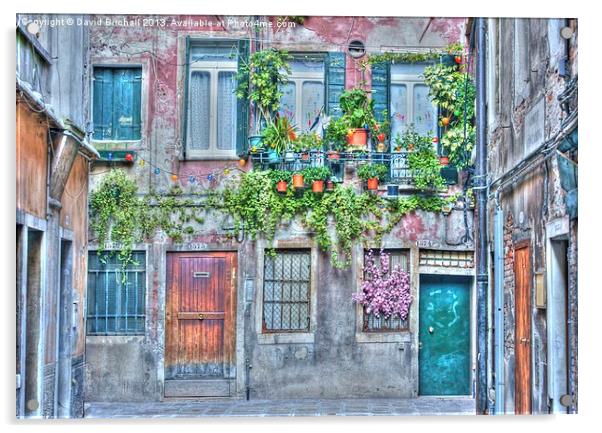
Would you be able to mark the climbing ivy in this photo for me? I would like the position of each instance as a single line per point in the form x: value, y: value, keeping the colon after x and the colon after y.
x: 337, y: 219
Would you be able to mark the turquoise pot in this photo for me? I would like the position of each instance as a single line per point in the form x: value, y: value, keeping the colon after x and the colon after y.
x: 254, y: 141
x: 272, y: 156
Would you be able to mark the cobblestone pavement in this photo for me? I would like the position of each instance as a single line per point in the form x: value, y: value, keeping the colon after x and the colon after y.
x: 271, y: 408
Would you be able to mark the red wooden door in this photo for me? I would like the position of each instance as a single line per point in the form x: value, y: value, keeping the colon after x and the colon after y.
x: 522, y: 373
x: 199, y: 315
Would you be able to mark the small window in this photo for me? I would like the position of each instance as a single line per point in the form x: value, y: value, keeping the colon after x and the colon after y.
x: 116, y: 303
x: 116, y: 103
x: 286, y: 291
x: 212, y: 104
x: 371, y: 323
x: 410, y: 103
x: 303, y: 96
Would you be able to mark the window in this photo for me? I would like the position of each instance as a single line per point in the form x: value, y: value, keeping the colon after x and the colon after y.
x: 371, y: 323
x: 116, y: 304
x: 410, y: 103
x: 303, y: 96
x: 286, y: 291
x: 116, y: 103
x: 212, y: 104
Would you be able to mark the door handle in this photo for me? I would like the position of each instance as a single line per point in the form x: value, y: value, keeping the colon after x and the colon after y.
x: 419, y: 345
x: 201, y: 316
x: 431, y: 329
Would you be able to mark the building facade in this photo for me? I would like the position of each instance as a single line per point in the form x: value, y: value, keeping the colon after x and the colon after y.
x: 272, y: 326
x: 53, y: 161
x: 532, y: 149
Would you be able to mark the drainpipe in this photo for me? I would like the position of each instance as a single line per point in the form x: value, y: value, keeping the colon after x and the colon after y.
x: 498, y: 254
x: 481, y: 187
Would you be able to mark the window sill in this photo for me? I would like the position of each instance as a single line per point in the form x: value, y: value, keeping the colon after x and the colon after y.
x: 232, y: 157
x: 383, y: 337
x: 286, y: 338
x: 117, y: 144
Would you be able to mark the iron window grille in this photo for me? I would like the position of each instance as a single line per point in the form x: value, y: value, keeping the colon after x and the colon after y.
x: 447, y: 259
x: 116, y: 296
x: 371, y: 323
x: 286, y: 291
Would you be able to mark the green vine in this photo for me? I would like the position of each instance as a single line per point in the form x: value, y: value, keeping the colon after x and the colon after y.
x: 337, y: 219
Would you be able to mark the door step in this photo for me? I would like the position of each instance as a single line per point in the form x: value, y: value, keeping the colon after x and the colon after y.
x: 199, y: 388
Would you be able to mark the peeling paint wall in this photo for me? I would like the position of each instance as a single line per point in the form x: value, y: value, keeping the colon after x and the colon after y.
x: 337, y: 363
x: 61, y: 220
x: 524, y: 115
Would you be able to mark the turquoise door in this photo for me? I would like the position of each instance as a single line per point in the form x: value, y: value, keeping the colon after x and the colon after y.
x: 444, y: 335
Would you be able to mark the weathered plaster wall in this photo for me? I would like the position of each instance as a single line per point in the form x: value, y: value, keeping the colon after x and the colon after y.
x: 534, y: 197
x: 337, y: 362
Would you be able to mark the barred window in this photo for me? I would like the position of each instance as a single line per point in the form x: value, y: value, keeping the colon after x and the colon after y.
x: 116, y: 305
x: 371, y: 323
x: 286, y: 291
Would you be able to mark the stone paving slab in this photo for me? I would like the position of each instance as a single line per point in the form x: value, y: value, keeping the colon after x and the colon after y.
x: 282, y: 408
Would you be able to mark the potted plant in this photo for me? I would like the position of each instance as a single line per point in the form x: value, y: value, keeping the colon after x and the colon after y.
x: 307, y: 142
x: 298, y: 180
x: 278, y: 136
x: 329, y: 185
x: 316, y: 176
x: 358, y: 114
x: 260, y: 81
x: 372, y: 174
x: 282, y: 179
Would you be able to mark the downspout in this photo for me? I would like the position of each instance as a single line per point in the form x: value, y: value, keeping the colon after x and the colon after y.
x: 498, y: 257
x: 481, y: 187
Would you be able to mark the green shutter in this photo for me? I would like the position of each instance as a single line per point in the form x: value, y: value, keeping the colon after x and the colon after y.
x: 116, y: 105
x: 103, y: 103
x: 126, y: 103
x: 380, y: 89
x: 184, y: 133
x: 242, y: 108
x: 335, y: 82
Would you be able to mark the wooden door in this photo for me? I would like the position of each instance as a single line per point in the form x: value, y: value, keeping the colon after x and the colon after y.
x: 444, y: 335
x: 200, y: 315
x: 522, y: 372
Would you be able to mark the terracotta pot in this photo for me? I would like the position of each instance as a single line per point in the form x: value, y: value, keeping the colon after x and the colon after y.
x: 329, y: 185
x: 373, y: 183
x: 281, y: 186
x: 359, y: 138
x: 297, y: 180
x: 444, y: 160
x: 317, y: 186
x: 334, y: 155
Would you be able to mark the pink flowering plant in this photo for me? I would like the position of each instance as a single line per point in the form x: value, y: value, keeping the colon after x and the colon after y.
x: 384, y: 293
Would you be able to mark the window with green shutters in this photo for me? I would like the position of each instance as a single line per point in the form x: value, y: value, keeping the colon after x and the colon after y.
x: 116, y: 110
x: 116, y: 305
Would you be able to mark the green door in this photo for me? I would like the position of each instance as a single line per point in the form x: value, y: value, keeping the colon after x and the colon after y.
x: 444, y: 335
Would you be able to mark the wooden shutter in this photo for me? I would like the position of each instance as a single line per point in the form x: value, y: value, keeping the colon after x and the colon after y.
x: 242, y: 109
x: 184, y: 132
x: 103, y: 103
x: 126, y: 103
x: 116, y: 105
x: 380, y: 89
x: 335, y: 82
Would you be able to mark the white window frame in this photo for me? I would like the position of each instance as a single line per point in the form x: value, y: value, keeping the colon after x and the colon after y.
x: 411, y: 80
x: 213, y: 68
x: 298, y: 78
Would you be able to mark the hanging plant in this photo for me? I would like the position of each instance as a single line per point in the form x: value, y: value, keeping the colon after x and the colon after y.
x: 385, y: 292
x: 261, y: 79
x: 453, y: 91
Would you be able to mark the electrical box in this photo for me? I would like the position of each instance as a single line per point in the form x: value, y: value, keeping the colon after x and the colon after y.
x: 540, y: 290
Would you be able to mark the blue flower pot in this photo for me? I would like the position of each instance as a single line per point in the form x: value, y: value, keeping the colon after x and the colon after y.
x: 392, y: 190
x: 272, y: 156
